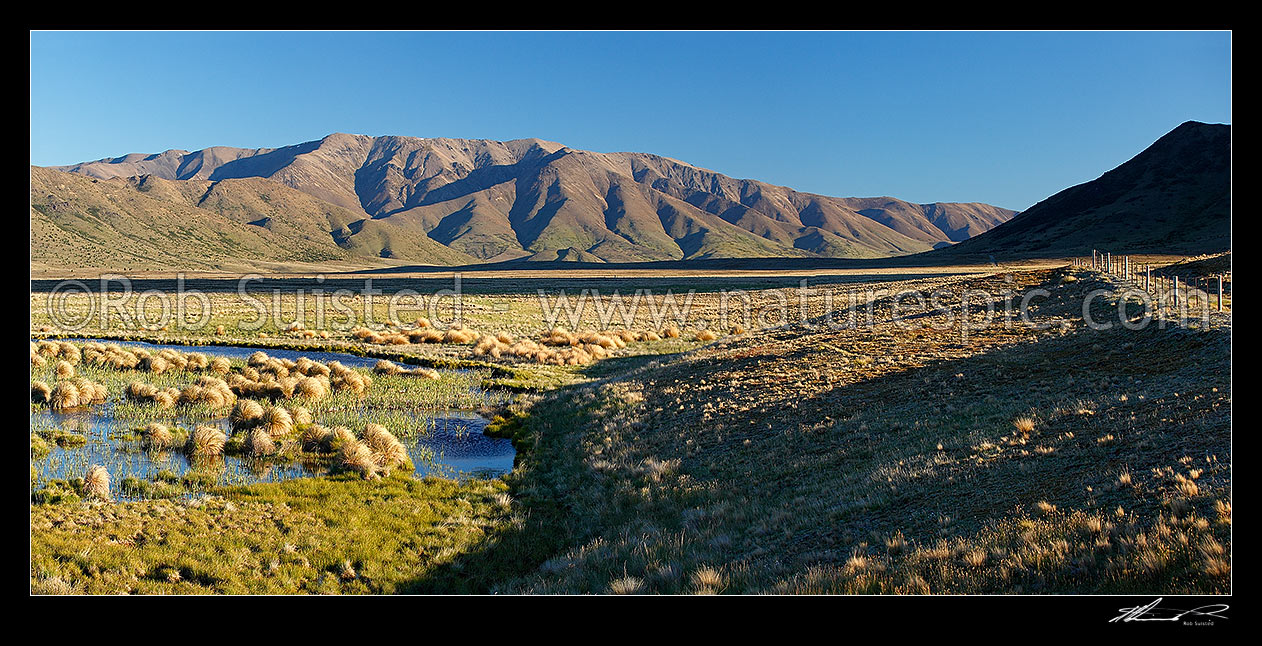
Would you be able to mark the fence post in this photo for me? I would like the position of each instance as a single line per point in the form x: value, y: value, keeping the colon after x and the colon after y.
x: 1147, y: 278
x: 1176, y: 293
x: 1220, y: 292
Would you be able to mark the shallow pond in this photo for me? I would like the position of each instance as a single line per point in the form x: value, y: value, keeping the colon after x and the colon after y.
x: 444, y: 443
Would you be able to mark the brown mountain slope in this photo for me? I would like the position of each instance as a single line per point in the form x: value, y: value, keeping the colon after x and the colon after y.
x: 80, y: 222
x: 532, y: 198
x: 151, y: 223
x: 1174, y: 197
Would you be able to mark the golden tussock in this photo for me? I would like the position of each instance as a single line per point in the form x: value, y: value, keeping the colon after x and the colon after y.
x: 356, y: 456
x: 206, y: 442
x: 246, y: 414
x: 40, y: 392
x: 96, y: 483
x: 157, y: 437
x: 276, y: 421
x: 259, y: 442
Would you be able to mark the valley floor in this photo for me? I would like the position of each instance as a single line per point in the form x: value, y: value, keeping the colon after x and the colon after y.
x: 902, y: 457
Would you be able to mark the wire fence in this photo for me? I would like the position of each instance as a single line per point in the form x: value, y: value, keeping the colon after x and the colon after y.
x: 1196, y: 291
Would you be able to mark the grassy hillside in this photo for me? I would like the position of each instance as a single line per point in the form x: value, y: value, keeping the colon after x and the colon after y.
x: 78, y: 222
x: 1017, y: 461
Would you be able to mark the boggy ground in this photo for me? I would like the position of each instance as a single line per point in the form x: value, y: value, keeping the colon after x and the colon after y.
x: 337, y: 534
x: 887, y: 460
x: 898, y: 458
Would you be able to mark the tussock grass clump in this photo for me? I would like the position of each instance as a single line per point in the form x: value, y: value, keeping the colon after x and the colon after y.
x: 627, y: 336
x: 459, y: 335
x: 301, y: 416
x: 276, y: 421
x: 157, y: 437
x: 115, y: 357
x: 670, y: 332
x: 626, y: 585
x: 425, y: 335
x: 212, y: 391
x: 426, y: 373
x: 342, y: 378
x: 112, y: 356
x: 420, y: 334
x: 388, y: 452
x: 166, y: 399
x: 40, y: 392
x: 560, y: 337
x: 140, y: 391
x: 385, y: 367
x: 153, y: 364
x: 63, y: 370
x: 309, y: 368
x: 334, y: 440
x: 259, y: 442
x: 282, y: 379
x: 355, y: 456
x: 707, y: 580
x: 311, y: 388
x: 246, y: 414
x: 560, y: 347
x: 91, y: 392
x: 197, y: 361
x: 313, y: 438
x: 74, y: 393
x: 96, y: 483
x: 206, y: 442
x: 58, y: 350
x: 706, y: 336
x: 1024, y: 425
x: 64, y: 395
x: 490, y: 346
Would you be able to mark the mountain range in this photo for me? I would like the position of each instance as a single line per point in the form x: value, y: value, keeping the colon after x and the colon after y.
x: 357, y: 198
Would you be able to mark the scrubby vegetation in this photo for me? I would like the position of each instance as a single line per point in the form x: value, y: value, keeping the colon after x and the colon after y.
x: 901, y: 458
x: 1008, y: 464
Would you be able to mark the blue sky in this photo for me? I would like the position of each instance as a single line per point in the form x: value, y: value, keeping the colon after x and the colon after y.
x: 1004, y: 118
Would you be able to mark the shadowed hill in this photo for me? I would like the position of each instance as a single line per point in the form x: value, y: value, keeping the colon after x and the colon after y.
x: 1174, y: 197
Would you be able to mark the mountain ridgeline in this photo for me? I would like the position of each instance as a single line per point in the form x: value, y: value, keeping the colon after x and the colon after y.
x: 455, y: 201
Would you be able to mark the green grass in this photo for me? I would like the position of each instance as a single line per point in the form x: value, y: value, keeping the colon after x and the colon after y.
x: 293, y: 537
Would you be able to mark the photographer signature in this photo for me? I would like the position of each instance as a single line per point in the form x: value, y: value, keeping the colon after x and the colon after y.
x: 1151, y: 612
